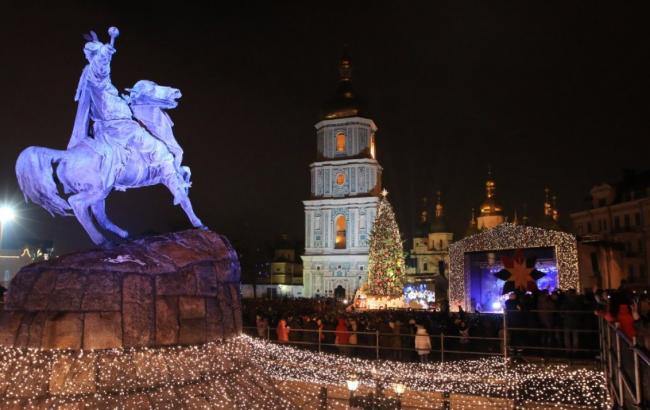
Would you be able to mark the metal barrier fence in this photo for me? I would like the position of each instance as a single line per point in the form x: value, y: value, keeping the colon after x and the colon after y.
x: 519, y: 333
x: 626, y: 366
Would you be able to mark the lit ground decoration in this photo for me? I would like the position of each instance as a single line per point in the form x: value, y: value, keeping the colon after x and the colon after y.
x: 249, y: 373
x: 525, y: 384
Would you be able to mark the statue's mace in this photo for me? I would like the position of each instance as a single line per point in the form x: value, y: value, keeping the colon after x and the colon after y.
x: 113, y: 32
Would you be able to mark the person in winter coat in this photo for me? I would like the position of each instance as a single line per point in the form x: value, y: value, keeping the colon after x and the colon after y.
x: 283, y: 331
x: 262, y: 326
x: 354, y: 328
x: 422, y: 343
x: 545, y: 307
x: 396, y: 340
x: 342, y: 336
x: 385, y: 339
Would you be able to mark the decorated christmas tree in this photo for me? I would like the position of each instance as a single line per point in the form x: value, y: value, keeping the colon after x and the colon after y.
x: 386, y: 257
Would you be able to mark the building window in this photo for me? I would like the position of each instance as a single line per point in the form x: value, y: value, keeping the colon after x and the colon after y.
x: 640, y: 244
x: 340, y: 178
x: 361, y: 267
x: 425, y: 266
x: 630, y: 270
x: 617, y: 222
x: 637, y: 219
x: 627, y: 221
x: 605, y: 225
x: 641, y: 271
x: 588, y: 227
x: 340, y: 142
x: 340, y: 225
x: 372, y: 146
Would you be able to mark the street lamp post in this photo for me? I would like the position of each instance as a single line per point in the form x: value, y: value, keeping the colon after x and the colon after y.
x: 353, y: 385
x: 399, y: 389
x: 375, y: 400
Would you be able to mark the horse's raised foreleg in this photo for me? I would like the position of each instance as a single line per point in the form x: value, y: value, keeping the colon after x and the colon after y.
x: 80, y: 204
x: 99, y: 210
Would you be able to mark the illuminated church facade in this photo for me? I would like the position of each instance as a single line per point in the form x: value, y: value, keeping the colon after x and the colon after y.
x: 345, y: 185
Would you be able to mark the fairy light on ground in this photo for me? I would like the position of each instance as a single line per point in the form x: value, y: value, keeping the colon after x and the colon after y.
x: 254, y: 374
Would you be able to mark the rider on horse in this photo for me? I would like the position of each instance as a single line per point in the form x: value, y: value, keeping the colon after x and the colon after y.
x: 115, y: 134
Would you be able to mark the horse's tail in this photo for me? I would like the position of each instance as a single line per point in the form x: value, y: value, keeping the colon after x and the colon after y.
x: 35, y: 173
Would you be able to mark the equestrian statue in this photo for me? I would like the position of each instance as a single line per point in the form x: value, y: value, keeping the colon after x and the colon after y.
x: 118, y: 142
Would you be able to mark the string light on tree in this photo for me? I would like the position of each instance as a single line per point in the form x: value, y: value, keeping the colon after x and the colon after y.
x: 386, y: 257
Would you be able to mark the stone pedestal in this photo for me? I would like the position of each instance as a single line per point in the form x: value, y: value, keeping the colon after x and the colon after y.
x: 172, y: 289
x: 152, y: 323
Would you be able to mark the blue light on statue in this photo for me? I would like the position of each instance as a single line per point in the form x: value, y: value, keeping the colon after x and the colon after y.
x: 118, y: 142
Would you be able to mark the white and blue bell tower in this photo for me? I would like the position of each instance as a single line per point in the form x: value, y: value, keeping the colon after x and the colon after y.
x: 345, y: 188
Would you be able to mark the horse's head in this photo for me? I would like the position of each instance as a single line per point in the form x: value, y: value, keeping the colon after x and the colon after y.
x: 146, y: 92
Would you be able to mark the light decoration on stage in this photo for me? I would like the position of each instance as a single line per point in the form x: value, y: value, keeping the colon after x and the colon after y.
x: 386, y: 270
x: 419, y: 294
x: 507, y: 236
x: 237, y: 373
x: 519, y: 273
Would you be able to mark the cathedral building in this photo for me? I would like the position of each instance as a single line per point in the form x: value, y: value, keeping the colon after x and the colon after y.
x: 429, y: 258
x: 345, y: 187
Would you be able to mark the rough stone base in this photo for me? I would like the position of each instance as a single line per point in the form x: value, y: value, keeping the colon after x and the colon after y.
x: 174, y: 289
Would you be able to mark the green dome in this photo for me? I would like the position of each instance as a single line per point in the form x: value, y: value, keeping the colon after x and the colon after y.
x: 438, y: 225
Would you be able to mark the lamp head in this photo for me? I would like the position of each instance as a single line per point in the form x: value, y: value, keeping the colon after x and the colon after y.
x: 7, y: 214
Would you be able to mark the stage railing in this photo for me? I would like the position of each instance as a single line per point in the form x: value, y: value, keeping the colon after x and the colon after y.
x: 525, y: 338
x: 626, y: 366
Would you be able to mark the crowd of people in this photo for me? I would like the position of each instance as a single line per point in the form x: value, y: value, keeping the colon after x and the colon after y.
x: 557, y: 323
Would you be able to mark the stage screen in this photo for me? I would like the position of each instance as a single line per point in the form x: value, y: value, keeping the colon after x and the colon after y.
x: 419, y: 295
x: 486, y: 289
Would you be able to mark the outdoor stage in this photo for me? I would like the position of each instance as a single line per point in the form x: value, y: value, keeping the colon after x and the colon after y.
x: 476, y: 261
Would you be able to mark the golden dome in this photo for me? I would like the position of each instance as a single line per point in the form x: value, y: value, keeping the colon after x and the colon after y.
x: 490, y: 206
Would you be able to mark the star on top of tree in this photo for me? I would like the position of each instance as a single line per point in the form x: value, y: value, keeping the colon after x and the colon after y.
x: 384, y: 193
x: 519, y: 273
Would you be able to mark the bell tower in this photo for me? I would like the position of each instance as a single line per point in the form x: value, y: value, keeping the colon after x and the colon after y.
x: 345, y: 185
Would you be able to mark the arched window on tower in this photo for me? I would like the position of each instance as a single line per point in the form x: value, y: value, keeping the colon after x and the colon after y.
x: 340, y: 142
x: 372, y: 146
x: 341, y: 227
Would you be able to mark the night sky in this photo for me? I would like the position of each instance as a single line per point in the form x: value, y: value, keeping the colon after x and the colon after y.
x: 546, y: 92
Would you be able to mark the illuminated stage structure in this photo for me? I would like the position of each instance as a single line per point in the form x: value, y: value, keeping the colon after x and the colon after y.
x: 476, y: 259
x: 414, y: 296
